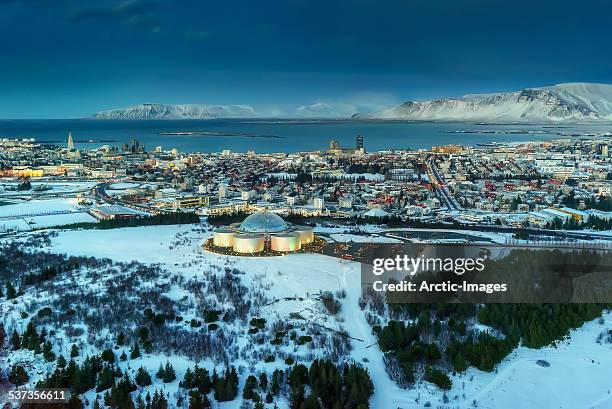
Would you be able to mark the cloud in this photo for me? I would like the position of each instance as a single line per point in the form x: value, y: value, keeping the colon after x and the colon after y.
x: 196, y: 34
x: 359, y: 103
x: 318, y: 110
x: 137, y: 13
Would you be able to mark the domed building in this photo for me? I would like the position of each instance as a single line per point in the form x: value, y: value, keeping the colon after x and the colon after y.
x: 263, y: 222
x: 263, y: 231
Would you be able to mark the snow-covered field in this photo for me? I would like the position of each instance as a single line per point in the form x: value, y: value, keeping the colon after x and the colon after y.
x: 39, y: 207
x: 35, y: 214
x: 579, y: 376
x: 51, y: 188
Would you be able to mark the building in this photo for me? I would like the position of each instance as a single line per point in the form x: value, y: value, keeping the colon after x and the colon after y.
x: 346, y: 202
x: 247, y: 194
x: 223, y: 190
x: 262, y: 231
x: 133, y: 147
x: 114, y: 212
x: 359, y: 143
x: 70, y: 146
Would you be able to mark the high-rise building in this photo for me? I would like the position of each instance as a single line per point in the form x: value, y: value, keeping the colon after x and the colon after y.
x: 359, y: 142
x: 222, y: 190
x: 319, y: 203
x: 133, y: 147
x: 70, y: 142
x: 604, y: 150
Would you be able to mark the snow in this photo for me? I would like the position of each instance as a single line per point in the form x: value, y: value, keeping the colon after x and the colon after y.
x: 60, y: 220
x: 356, y: 238
x: 123, y: 185
x: 54, y: 188
x: 35, y: 207
x: 376, y: 212
x: 376, y: 177
x: 580, y: 369
x: 580, y: 375
x: 35, y: 214
x: 572, y: 101
x: 186, y: 111
x: 318, y: 110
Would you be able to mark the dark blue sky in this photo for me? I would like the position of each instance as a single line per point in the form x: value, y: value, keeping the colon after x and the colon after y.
x: 68, y: 58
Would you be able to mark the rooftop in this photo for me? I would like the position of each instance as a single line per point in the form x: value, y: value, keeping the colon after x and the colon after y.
x: 263, y: 222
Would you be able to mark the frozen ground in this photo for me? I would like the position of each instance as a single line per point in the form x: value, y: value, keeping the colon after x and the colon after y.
x: 35, y: 214
x: 341, y: 237
x: 579, y: 376
x: 39, y: 207
x: 54, y: 188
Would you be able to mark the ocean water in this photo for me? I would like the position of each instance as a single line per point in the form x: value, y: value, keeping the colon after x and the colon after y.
x: 267, y: 136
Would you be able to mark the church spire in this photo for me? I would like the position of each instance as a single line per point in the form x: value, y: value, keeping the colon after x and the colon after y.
x: 70, y: 142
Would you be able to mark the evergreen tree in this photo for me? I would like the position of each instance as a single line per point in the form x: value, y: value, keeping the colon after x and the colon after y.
x: 2, y: 335
x: 106, y: 379
x: 16, y: 340
x: 277, y: 378
x: 11, y: 293
x: 198, y: 401
x: 170, y: 374
x: 226, y: 386
x: 135, y: 351
x: 249, y: 387
x: 459, y: 363
x: 263, y: 381
x: 108, y: 356
x: 198, y: 378
x: 18, y: 375
x: 74, y: 351
x: 142, y: 377
x: 48, y: 352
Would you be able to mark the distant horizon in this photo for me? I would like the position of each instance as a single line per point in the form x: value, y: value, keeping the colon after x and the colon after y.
x: 74, y: 59
x: 288, y: 115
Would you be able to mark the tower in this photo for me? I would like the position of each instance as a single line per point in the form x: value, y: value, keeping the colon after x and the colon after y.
x: 359, y: 142
x: 70, y: 142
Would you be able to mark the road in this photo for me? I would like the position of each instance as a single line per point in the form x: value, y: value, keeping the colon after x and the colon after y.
x: 100, y: 193
x: 440, y: 188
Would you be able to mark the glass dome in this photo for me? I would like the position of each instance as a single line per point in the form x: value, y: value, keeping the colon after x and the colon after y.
x: 263, y: 222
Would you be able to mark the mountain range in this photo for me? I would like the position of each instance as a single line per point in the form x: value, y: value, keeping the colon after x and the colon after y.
x: 183, y: 111
x: 580, y: 102
x: 562, y: 102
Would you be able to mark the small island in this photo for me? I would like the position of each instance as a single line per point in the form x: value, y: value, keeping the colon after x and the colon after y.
x: 211, y: 133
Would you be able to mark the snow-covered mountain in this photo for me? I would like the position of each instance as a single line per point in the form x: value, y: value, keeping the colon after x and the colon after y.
x: 562, y: 102
x: 318, y: 110
x: 186, y: 111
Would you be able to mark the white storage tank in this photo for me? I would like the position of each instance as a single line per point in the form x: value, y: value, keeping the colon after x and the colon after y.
x: 285, y: 242
x: 306, y: 234
x: 223, y: 237
x: 249, y: 243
